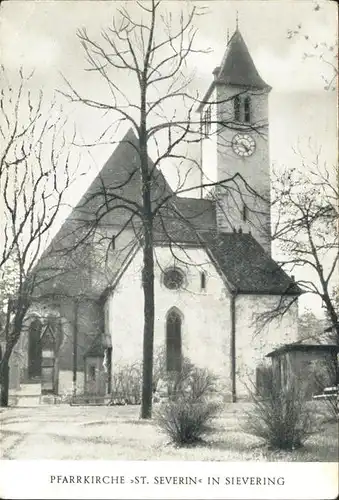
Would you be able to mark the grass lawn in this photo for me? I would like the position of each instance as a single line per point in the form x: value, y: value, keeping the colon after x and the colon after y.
x: 117, y: 433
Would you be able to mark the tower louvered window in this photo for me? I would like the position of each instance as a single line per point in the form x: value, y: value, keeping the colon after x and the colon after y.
x: 242, y: 109
x: 236, y: 104
x: 247, y: 109
x: 207, y: 121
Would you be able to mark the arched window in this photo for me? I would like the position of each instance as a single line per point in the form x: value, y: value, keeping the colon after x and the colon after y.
x: 34, y: 349
x: 203, y: 280
x: 173, y: 341
x: 236, y: 104
x: 247, y: 109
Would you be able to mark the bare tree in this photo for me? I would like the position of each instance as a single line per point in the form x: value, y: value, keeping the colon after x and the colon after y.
x: 34, y: 177
x: 306, y: 203
x: 310, y: 327
x: 150, y: 47
x: 325, y: 52
x: 306, y: 231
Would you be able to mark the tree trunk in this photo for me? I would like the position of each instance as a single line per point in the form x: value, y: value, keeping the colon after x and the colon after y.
x: 332, y: 315
x: 148, y: 289
x: 75, y: 346
x: 4, y: 379
x: 148, y: 264
x: 4, y: 364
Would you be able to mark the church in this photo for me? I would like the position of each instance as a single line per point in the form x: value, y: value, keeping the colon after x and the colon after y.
x: 214, y: 274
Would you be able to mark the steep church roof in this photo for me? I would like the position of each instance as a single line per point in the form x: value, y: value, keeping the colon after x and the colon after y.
x: 108, y: 202
x: 118, y: 183
x: 237, y: 68
x: 246, y: 266
x: 184, y: 221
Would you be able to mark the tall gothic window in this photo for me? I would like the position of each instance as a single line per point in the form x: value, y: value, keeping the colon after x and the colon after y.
x: 173, y: 341
x: 236, y: 104
x: 247, y: 109
x: 34, y: 349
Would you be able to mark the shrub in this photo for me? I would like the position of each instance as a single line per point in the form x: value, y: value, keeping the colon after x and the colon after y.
x: 331, y: 402
x: 67, y: 395
x: 192, y: 383
x: 127, y: 380
x: 159, y: 366
x: 186, y: 421
x: 281, y: 416
x: 187, y: 414
x: 126, y: 384
x: 324, y: 377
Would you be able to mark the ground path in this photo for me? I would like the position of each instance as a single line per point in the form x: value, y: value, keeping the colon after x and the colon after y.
x: 116, y: 433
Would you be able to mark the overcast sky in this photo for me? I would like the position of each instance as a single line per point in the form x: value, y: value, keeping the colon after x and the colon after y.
x: 41, y: 35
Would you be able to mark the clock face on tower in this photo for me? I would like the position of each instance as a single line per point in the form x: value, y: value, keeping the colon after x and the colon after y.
x: 243, y: 144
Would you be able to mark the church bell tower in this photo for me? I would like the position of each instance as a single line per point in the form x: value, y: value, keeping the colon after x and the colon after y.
x: 235, y: 145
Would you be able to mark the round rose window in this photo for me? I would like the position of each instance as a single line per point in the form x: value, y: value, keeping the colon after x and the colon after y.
x: 173, y: 279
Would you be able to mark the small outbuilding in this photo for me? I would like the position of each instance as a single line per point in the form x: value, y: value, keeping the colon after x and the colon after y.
x: 312, y: 366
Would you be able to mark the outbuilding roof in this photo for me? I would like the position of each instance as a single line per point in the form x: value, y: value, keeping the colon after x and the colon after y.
x: 296, y: 346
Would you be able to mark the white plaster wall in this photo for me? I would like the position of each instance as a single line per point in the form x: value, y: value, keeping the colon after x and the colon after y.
x: 206, y: 314
x: 251, y: 346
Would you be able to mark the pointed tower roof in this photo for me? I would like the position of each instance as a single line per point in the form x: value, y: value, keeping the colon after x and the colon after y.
x: 237, y: 66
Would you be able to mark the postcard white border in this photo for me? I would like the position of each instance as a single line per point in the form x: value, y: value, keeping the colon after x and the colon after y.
x: 52, y: 479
